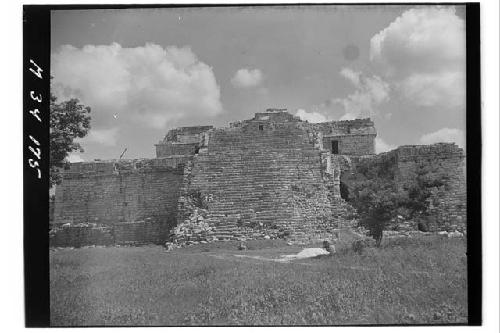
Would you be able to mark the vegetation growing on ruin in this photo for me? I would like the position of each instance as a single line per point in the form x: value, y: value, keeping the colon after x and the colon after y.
x: 375, y: 196
x: 378, y: 199
x: 405, y: 281
x: 428, y: 178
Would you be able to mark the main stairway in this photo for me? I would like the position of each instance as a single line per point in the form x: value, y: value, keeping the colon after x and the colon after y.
x: 255, y: 183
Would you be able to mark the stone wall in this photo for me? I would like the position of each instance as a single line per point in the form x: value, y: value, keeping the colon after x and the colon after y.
x: 106, y: 193
x: 126, y: 233
x: 81, y: 235
x: 351, y: 144
x: 271, y: 176
x: 449, y: 201
x: 354, y: 137
x: 262, y: 177
x: 189, y: 134
x: 140, y: 232
x: 444, y: 164
x: 182, y: 141
x: 176, y: 149
x: 267, y: 176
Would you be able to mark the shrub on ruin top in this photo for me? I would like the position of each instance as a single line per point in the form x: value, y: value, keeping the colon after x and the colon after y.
x: 375, y: 194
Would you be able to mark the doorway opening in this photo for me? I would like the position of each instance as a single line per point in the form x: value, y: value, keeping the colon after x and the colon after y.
x: 335, y: 147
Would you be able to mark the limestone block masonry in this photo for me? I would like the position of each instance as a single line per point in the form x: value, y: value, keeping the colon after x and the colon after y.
x: 445, y: 162
x: 116, y: 192
x: 272, y: 176
x: 448, y: 201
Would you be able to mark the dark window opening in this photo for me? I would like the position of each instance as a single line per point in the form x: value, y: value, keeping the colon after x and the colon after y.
x: 196, y: 150
x: 261, y: 127
x: 335, y: 147
x: 344, y: 191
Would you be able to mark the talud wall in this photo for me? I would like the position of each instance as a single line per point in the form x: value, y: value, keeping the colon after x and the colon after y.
x: 124, y: 233
x: 107, y: 193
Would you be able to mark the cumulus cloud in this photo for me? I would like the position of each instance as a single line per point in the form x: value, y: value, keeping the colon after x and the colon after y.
x: 419, y: 58
x: 106, y: 137
x: 74, y: 158
x: 247, y: 78
x: 446, y: 89
x: 349, y: 116
x: 381, y: 146
x: 444, y: 135
x: 150, y: 84
x: 423, y: 53
x: 418, y: 61
x: 421, y: 39
x: 370, y: 92
x: 312, y: 117
x: 351, y: 75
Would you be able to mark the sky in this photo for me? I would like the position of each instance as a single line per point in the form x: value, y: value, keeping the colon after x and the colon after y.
x: 145, y: 71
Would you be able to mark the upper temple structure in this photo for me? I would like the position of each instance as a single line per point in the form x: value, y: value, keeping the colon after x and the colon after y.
x: 272, y: 176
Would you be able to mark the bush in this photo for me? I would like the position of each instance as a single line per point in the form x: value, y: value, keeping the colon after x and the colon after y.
x: 358, y: 246
x: 378, y: 199
x: 423, y: 226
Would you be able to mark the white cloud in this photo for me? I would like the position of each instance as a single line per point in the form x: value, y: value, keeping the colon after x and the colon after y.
x: 421, y: 39
x: 312, y: 117
x: 149, y: 84
x: 370, y: 92
x: 419, y: 59
x: 247, y: 78
x: 74, y: 158
x: 381, y: 146
x: 348, y: 116
x: 423, y: 53
x: 351, y: 75
x: 106, y: 137
x: 444, y: 135
x: 445, y: 89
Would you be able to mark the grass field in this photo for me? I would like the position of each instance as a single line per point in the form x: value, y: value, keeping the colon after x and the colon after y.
x: 406, y: 281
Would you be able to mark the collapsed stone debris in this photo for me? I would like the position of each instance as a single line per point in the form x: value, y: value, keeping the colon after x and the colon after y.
x: 269, y: 177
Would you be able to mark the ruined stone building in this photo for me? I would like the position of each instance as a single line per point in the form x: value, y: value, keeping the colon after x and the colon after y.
x: 270, y: 176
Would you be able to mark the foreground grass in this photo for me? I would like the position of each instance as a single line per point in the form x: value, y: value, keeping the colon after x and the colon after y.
x: 407, y: 281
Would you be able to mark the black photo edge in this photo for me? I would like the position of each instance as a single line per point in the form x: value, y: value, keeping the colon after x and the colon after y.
x: 36, y: 84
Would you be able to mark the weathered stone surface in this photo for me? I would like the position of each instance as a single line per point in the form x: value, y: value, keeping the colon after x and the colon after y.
x: 81, y: 235
x: 447, y: 204
x: 264, y: 178
x: 182, y: 141
x: 354, y: 137
x: 112, y: 192
x: 273, y: 176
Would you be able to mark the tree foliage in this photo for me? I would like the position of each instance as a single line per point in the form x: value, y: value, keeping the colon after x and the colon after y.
x: 69, y: 120
x: 375, y: 196
x: 377, y: 203
x: 378, y: 199
x: 428, y: 176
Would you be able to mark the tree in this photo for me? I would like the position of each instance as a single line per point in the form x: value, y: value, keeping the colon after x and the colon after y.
x: 378, y: 199
x: 377, y: 202
x: 428, y: 178
x: 375, y: 195
x: 69, y: 120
